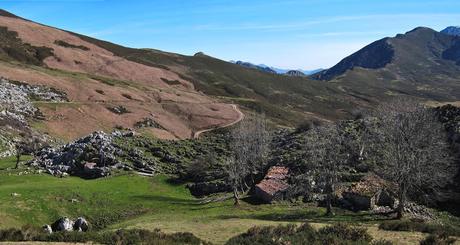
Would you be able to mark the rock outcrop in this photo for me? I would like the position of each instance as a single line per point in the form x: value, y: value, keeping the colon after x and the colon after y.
x: 16, y: 99
x: 93, y: 156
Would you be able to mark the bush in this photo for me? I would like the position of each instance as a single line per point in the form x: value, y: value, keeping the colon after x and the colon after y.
x: 26, y: 233
x: 346, y: 232
x: 407, y: 225
x: 119, y: 237
x: 440, y: 239
x: 307, y: 125
x: 305, y: 234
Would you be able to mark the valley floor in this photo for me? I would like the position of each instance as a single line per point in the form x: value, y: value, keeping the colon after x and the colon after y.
x: 132, y: 201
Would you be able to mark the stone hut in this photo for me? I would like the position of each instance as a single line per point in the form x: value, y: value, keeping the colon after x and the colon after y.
x: 273, y: 187
x: 370, y: 192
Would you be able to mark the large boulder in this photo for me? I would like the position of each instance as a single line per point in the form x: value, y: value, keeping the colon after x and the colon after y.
x: 62, y: 224
x: 66, y: 224
x: 81, y: 224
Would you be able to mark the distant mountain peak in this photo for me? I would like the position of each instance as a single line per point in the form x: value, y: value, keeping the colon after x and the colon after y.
x: 276, y: 70
x: 295, y: 73
x: 262, y: 68
x: 452, y: 30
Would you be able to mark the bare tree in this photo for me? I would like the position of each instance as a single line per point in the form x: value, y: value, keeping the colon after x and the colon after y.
x: 249, y: 149
x: 27, y: 145
x: 326, y: 154
x: 236, y: 173
x: 19, y: 148
x: 410, y: 147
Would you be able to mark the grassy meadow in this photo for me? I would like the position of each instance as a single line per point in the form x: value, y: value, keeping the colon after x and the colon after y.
x: 132, y: 201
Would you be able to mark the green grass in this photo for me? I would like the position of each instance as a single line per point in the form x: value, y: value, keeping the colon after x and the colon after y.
x: 131, y: 201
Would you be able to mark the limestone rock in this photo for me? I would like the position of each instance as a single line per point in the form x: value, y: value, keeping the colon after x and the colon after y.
x: 62, y: 224
x: 81, y: 225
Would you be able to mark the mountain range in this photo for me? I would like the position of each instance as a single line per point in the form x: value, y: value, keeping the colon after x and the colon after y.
x: 271, y: 69
x: 110, y: 86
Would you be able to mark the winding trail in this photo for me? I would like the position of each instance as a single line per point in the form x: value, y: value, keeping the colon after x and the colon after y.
x: 240, y: 117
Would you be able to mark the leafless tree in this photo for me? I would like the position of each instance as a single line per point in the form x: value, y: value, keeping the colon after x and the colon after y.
x: 410, y: 147
x: 326, y: 154
x: 19, y: 148
x: 249, y: 149
x: 236, y: 173
x: 27, y: 145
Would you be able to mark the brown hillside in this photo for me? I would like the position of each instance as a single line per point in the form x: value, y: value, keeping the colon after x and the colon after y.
x: 95, y: 80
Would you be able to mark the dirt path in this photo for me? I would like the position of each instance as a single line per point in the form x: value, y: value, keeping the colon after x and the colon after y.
x: 240, y: 117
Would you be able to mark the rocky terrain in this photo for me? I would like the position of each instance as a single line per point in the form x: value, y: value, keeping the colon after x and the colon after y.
x: 17, y: 109
x: 90, y: 157
x: 17, y: 99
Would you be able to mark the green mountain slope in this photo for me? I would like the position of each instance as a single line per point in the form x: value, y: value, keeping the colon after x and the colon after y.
x: 421, y: 63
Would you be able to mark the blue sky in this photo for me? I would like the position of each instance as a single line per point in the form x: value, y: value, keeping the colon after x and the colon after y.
x: 306, y: 34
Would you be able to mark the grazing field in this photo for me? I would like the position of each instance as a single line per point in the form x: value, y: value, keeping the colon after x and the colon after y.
x: 132, y: 201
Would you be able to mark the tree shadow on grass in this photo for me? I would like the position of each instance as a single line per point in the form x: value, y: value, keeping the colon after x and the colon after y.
x: 166, y: 199
x: 312, y: 216
x: 253, y: 200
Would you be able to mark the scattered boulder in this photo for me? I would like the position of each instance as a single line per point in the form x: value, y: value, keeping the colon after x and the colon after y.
x: 66, y: 224
x: 62, y: 224
x: 81, y: 225
x: 274, y: 186
x: 47, y: 229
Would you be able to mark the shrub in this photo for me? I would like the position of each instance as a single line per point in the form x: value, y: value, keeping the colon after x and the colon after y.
x: 440, y: 239
x: 118, y: 109
x: 305, y: 234
x: 69, y: 45
x: 307, y: 125
x: 346, y: 232
x: 120, y: 237
x: 407, y: 225
x: 26, y: 233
